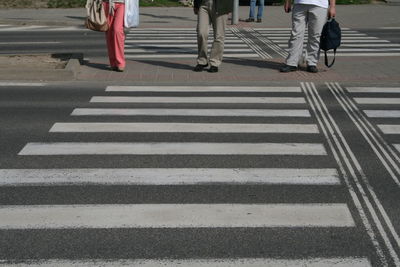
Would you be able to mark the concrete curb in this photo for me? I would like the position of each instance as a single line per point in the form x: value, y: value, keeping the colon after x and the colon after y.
x: 24, y: 73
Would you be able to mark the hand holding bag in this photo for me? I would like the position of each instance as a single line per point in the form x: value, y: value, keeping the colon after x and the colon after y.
x: 330, y: 39
x: 96, y: 16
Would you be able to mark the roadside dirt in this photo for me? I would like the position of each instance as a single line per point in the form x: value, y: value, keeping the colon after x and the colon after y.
x: 34, y: 61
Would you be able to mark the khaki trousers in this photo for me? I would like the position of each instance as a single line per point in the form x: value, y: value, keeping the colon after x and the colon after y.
x: 314, y: 17
x: 206, y: 16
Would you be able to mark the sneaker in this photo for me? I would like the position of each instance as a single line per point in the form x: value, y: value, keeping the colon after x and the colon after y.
x: 259, y: 20
x: 200, y: 67
x: 213, y: 69
x: 249, y: 20
x: 287, y: 68
x: 312, y: 69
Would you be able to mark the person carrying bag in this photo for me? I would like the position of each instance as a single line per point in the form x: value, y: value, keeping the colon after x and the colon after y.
x: 118, y: 14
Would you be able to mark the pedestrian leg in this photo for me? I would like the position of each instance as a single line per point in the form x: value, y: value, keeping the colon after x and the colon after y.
x: 203, y: 22
x: 317, y: 19
x: 217, y: 49
x: 299, y: 20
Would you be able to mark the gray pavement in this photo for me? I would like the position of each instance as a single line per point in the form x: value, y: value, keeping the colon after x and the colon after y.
x: 380, y: 21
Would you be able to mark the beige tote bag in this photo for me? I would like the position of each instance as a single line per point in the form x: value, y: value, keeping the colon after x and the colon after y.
x: 96, y: 16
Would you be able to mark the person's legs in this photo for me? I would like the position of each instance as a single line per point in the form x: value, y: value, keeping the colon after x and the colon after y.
x: 260, y: 9
x: 217, y: 49
x: 252, y: 8
x: 317, y: 19
x: 119, y: 35
x: 109, y: 37
x: 299, y: 20
x: 203, y: 22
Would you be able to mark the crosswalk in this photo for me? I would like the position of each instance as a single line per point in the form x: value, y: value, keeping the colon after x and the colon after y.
x: 168, y: 125
x: 265, y: 43
x: 354, y: 43
x: 375, y: 110
x: 178, y: 43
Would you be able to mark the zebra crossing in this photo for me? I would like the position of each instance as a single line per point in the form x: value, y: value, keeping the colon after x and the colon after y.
x: 354, y: 43
x: 263, y: 113
x: 265, y: 43
x: 178, y: 43
x: 375, y: 111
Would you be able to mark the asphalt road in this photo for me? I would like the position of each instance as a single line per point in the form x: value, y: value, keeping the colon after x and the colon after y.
x: 364, y: 185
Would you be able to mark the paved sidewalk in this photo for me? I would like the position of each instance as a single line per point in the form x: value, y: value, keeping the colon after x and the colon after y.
x: 239, y: 71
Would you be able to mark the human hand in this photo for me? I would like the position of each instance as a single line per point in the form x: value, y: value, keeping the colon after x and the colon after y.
x: 287, y: 6
x: 332, y: 12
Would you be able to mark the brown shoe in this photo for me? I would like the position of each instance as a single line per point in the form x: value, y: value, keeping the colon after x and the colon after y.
x: 249, y: 20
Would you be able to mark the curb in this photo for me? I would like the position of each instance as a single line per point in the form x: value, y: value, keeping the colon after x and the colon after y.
x: 68, y: 73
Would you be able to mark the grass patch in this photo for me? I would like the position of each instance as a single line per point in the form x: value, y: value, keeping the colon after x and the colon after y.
x: 81, y: 3
x: 66, y: 3
x: 352, y: 2
x: 161, y: 3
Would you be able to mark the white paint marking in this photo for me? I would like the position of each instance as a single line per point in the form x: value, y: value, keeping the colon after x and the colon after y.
x: 368, y: 54
x: 389, y: 129
x: 22, y: 84
x: 197, y: 99
x: 147, y: 127
x: 242, y: 262
x: 377, y: 100
x: 24, y: 43
x: 202, y: 89
x: 169, y: 176
x: 155, y: 41
x: 125, y: 148
x: 174, y: 216
x: 177, y: 50
x: 373, y: 89
x: 192, y: 112
x: 383, y: 113
x: 186, y: 55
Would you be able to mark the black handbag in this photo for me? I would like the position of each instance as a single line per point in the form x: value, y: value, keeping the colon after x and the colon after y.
x: 330, y: 39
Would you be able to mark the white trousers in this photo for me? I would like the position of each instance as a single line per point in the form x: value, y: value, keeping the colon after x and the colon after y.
x: 314, y: 18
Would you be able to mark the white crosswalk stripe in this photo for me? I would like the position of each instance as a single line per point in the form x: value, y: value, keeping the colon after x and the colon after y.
x: 170, y: 176
x: 33, y: 28
x: 101, y: 120
x: 351, y: 45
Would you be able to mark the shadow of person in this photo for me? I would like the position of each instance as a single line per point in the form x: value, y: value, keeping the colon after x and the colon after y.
x: 166, y: 64
x: 264, y: 64
x: 99, y: 66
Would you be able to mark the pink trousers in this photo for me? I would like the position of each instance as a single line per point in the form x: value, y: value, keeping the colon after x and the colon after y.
x: 115, y: 35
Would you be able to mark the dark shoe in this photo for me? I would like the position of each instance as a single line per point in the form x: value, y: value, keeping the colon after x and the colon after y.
x: 249, y: 20
x: 259, y: 20
x: 312, y: 69
x: 200, y: 67
x: 213, y: 69
x: 119, y: 69
x: 288, y: 68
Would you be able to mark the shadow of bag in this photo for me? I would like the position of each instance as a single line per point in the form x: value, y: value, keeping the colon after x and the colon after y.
x: 96, y: 19
x: 330, y: 39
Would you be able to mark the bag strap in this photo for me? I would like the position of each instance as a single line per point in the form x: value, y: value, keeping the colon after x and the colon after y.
x: 326, y: 58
